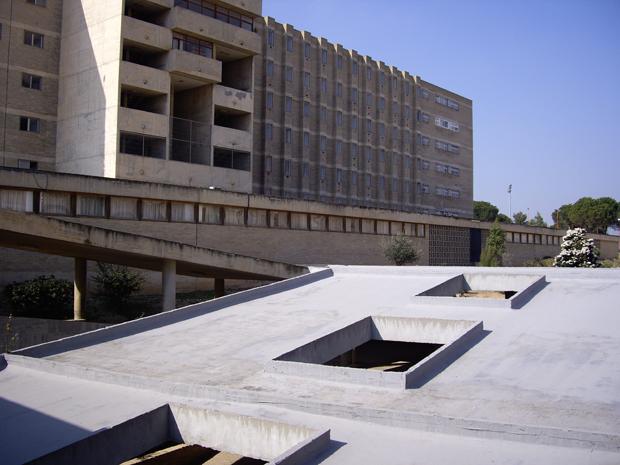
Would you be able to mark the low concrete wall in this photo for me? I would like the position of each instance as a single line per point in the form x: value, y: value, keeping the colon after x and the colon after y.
x: 18, y: 332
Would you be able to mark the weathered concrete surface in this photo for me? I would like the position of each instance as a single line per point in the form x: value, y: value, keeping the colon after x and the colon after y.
x: 41, y: 234
x: 542, y: 386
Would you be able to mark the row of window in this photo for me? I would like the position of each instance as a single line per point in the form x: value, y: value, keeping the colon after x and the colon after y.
x: 440, y: 99
x: 217, y: 12
x: 424, y: 117
x: 443, y: 146
x: 424, y: 188
x: 192, y: 45
x: 527, y: 238
x: 424, y: 165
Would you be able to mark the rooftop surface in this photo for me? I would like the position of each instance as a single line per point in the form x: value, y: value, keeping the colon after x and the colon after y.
x: 542, y: 384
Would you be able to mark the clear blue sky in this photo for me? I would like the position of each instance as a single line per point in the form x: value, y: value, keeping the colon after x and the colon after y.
x: 544, y: 77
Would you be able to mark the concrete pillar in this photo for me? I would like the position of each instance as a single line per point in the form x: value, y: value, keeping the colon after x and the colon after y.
x: 79, y: 288
x: 169, y: 284
x: 219, y: 287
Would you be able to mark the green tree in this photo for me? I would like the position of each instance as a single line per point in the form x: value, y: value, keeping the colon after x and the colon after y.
x: 485, y: 211
x: 400, y: 251
x: 115, y: 285
x: 520, y: 218
x: 577, y: 251
x: 594, y: 215
x: 41, y: 297
x: 538, y: 221
x: 494, y: 247
x: 503, y: 218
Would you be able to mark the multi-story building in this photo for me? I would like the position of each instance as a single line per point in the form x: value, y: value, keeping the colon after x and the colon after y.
x: 335, y: 126
x: 201, y: 93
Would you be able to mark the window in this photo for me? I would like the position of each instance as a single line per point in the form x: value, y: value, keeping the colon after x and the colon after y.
x: 453, y: 148
x: 423, y: 117
x: 288, y: 104
x: 305, y: 170
x: 394, y: 185
x: 369, y: 74
x: 339, y: 62
x: 322, y: 173
x: 271, y: 38
x: 218, y: 12
x: 441, y: 168
x: 137, y: 144
x: 454, y: 171
x: 232, y: 159
x: 29, y: 124
x: 441, y: 100
x: 382, y: 103
x: 269, y: 131
x: 38, y: 2
x: 289, y: 73
x: 353, y: 122
x: 323, y: 143
x: 323, y: 85
x: 30, y: 81
x: 33, y: 39
x: 307, y: 50
x: 407, y: 88
x: 354, y: 95
x: 339, y: 89
x: 381, y: 183
x: 27, y: 164
x: 424, y: 188
x: 268, y: 164
x: 323, y: 113
x: 307, y: 80
x: 407, y: 112
x: 289, y: 44
x: 192, y: 45
x: 306, y: 108
x: 382, y: 155
x: 368, y: 98
x: 269, y: 68
x: 324, y: 56
x: 287, y: 168
x: 382, y: 78
x: 368, y: 155
x: 338, y: 148
x: 354, y: 178
x: 269, y: 100
x: 423, y: 164
x: 423, y: 140
x: 306, y: 139
x: 441, y: 145
x: 423, y: 93
x: 454, y: 194
x: 354, y: 68
x: 339, y: 176
x: 381, y: 130
x: 339, y: 118
x: 447, y: 124
x: 369, y: 126
x: 288, y: 135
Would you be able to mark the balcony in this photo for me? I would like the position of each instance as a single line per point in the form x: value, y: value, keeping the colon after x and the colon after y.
x: 145, y: 78
x: 231, y: 138
x: 235, y: 99
x: 148, y: 35
x: 142, y: 122
x: 184, y: 20
x: 205, y: 70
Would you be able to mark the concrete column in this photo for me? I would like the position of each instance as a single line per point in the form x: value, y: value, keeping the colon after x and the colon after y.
x: 219, y: 287
x: 169, y: 284
x: 79, y: 288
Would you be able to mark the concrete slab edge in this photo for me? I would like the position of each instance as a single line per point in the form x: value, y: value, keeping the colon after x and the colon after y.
x: 148, y: 323
x: 411, y: 420
x: 305, y: 450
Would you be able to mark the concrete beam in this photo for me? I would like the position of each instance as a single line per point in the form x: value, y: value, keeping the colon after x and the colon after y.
x: 219, y: 289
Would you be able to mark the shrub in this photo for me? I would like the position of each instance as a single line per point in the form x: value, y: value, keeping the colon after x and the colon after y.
x: 494, y: 247
x: 41, y: 297
x: 577, y: 251
x: 611, y: 263
x: 545, y: 261
x: 115, y: 285
x: 400, y: 251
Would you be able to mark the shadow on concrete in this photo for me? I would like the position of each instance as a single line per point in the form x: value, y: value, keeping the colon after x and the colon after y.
x: 28, y: 434
x: 529, y: 294
x: 448, y: 360
x: 327, y: 452
x: 131, y: 328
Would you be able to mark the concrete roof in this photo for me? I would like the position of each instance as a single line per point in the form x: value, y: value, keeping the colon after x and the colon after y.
x: 58, y: 237
x: 541, y: 385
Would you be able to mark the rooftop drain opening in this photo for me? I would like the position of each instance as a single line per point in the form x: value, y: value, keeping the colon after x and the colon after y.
x: 384, y: 351
x: 384, y: 355
x: 502, y: 290
x: 184, y: 454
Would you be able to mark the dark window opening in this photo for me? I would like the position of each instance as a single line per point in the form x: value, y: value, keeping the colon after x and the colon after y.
x: 29, y: 124
x: 192, y: 45
x: 30, y: 81
x: 386, y: 356
x: 217, y: 12
x: 143, y: 57
x: 137, y: 144
x: 232, y: 159
x: 138, y: 101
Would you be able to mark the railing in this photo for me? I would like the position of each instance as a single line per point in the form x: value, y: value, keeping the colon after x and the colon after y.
x: 217, y: 12
x: 190, y: 141
x: 192, y: 45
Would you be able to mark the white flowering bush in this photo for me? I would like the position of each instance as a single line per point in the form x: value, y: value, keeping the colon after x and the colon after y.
x: 577, y: 251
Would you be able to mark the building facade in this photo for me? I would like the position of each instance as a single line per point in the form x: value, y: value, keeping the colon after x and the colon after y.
x: 336, y: 126
x: 211, y: 94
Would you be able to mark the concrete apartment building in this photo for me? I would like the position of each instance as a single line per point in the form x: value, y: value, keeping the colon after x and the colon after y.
x: 197, y: 93
x: 336, y: 126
